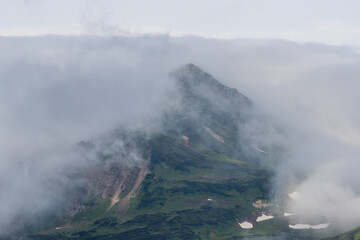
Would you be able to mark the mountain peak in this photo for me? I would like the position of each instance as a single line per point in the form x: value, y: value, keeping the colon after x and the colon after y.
x: 187, y: 70
x: 190, y: 74
x: 190, y: 68
x: 194, y: 82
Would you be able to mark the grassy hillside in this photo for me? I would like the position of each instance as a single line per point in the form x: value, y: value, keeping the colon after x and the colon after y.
x: 351, y: 235
x: 174, y: 200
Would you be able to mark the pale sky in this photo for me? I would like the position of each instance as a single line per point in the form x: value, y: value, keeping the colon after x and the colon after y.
x: 324, y: 21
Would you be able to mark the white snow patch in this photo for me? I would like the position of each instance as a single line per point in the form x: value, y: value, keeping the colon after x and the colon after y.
x: 264, y: 217
x: 210, y: 199
x: 246, y: 225
x: 58, y: 228
x: 308, y: 226
x: 288, y: 214
x: 294, y: 195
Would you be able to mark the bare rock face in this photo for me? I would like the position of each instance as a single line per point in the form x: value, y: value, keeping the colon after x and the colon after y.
x: 118, y: 183
x: 114, y: 178
x: 119, y: 163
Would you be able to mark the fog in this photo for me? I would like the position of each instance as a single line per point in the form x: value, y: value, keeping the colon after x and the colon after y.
x: 59, y: 90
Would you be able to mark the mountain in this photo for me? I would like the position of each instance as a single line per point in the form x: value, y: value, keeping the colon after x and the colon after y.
x: 197, y: 178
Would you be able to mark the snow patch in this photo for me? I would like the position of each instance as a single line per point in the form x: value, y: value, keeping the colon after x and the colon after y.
x: 246, y: 225
x: 294, y: 195
x: 288, y: 214
x: 308, y: 226
x: 264, y: 217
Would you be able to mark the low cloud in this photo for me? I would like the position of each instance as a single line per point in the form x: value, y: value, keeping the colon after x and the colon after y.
x: 57, y: 91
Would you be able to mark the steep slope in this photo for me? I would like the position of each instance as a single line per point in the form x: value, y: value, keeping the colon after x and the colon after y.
x: 192, y: 180
x: 208, y: 111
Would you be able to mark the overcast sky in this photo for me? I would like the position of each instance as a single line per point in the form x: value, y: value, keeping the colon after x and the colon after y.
x: 325, y: 21
x: 56, y: 91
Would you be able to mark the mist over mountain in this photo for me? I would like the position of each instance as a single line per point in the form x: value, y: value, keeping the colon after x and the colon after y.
x: 59, y: 91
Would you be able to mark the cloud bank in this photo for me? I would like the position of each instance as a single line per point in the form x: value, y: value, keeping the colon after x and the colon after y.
x: 56, y: 91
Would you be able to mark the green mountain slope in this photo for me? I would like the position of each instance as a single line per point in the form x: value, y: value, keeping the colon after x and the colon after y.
x: 196, y: 180
x: 351, y: 235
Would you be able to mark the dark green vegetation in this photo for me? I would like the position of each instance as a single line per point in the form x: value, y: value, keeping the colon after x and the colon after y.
x: 173, y: 200
x: 351, y: 235
x: 202, y: 177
